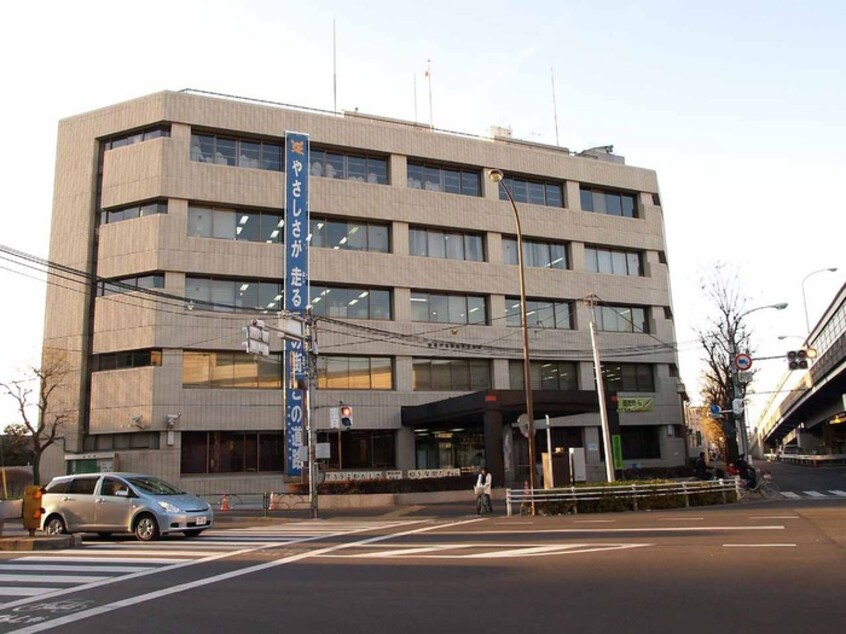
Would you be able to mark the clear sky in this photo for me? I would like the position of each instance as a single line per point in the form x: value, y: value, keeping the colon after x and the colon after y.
x: 738, y: 106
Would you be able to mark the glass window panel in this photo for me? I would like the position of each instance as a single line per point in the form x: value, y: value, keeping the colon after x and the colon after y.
x: 520, y: 190
x: 377, y: 171
x: 548, y: 373
x: 270, y: 372
x: 225, y: 151
x: 544, y: 315
x: 645, y: 380
x: 222, y: 369
x: 419, y: 307
x: 250, y: 452
x: 200, y: 222
x: 196, y: 368
x: 432, y: 179
x: 223, y: 225
x: 270, y: 296
x: 437, y: 244
x: 477, y: 310
x: 618, y: 262
x: 441, y: 374
x: 537, y: 193
x: 381, y: 374
x: 454, y: 246
x: 633, y: 263
x: 439, y: 309
x: 417, y: 242
x: 613, y: 205
x: 249, y: 153
x: 359, y: 369
x: 558, y: 256
x: 457, y: 309
x: 151, y: 281
x: 318, y: 228
x: 586, y: 199
x: 357, y: 168
x: 629, y: 382
x: 334, y: 165
x: 317, y: 159
x: 567, y: 379
x: 553, y: 195
x: 638, y: 316
x: 194, y: 452
x: 563, y: 317
x: 480, y: 374
x: 380, y: 304
x: 604, y: 260
x: 421, y: 374
x: 317, y: 297
x: 198, y: 290
x: 378, y: 239
x: 244, y: 370
x: 337, y: 302
x: 359, y: 304
x: 271, y: 156
x: 202, y: 148
x: 357, y: 237
x: 470, y: 183
x: 271, y: 452
x: 541, y: 254
x: 515, y: 375
x: 271, y: 228
x: 459, y: 375
x: 247, y: 294
x: 222, y: 295
x: 598, y: 201
x: 130, y: 212
x: 452, y: 181
x: 337, y: 234
x: 473, y: 248
x: 337, y: 372
x: 628, y: 206
x: 512, y: 311
x: 415, y: 176
x: 509, y: 250
x: 246, y: 226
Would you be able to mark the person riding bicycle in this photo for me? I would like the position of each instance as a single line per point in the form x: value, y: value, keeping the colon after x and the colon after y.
x: 483, y: 491
x: 746, y: 472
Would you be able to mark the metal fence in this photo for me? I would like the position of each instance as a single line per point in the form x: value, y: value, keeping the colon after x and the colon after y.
x: 263, y: 502
x: 626, y: 497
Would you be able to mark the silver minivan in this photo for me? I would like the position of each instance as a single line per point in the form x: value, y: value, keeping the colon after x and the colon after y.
x: 134, y: 503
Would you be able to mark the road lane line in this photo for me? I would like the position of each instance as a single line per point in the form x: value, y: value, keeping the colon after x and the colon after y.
x: 680, y: 519
x: 594, y: 521
x: 814, y: 494
x: 20, y: 578
x: 40, y: 627
x: 790, y: 495
x: 838, y: 493
x: 657, y: 529
x: 66, y: 567
x: 759, y: 545
x: 774, y: 517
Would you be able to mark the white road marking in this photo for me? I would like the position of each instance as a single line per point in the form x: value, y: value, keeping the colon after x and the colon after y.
x: 814, y: 494
x: 759, y: 545
x: 51, y: 578
x: 560, y: 549
x: 838, y: 493
x: 222, y: 577
x: 657, y: 529
x: 48, y: 568
x: 790, y: 495
x: 774, y: 517
x: 27, y: 592
x: 116, y: 560
x: 594, y: 521
x: 680, y: 519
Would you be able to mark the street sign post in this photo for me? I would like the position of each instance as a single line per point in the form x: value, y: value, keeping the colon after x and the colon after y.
x: 334, y: 417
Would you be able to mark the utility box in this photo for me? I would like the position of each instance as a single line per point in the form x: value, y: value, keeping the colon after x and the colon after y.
x: 577, y: 464
x: 556, y: 469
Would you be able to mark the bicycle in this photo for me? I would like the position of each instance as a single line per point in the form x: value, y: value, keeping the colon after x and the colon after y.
x: 765, y: 486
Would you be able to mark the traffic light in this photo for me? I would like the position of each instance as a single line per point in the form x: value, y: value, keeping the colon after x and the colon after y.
x: 797, y: 360
x: 346, y: 417
x: 32, y: 510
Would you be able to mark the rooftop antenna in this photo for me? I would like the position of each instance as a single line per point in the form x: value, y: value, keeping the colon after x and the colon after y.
x: 429, y: 77
x: 334, y: 70
x: 415, y: 97
x: 554, y: 105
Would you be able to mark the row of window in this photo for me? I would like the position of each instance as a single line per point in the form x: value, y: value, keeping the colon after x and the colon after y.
x: 236, y: 151
x: 133, y: 211
x: 232, y: 452
x: 532, y: 191
x: 451, y: 245
x: 129, y: 284
x: 448, y: 309
x: 550, y: 255
x: 229, y: 295
x: 350, y: 303
x: 363, y: 168
x: 229, y: 224
x: 138, y: 136
x: 605, y: 201
x: 349, y: 235
x: 441, y: 178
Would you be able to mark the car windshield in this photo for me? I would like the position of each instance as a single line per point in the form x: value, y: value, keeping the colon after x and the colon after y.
x: 153, y: 485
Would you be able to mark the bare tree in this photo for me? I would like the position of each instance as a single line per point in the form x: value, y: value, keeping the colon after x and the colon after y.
x: 49, y: 422
x: 724, y: 335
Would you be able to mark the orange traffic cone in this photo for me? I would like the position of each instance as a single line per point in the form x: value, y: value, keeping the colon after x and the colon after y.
x: 224, y: 503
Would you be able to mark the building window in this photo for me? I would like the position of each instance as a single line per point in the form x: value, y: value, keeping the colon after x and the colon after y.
x: 550, y: 255
x: 442, y: 178
x: 452, y: 245
x: 363, y: 168
x: 354, y: 373
x: 611, y: 261
x: 606, y: 201
x: 628, y: 377
x: 237, y: 152
x: 546, y: 375
x: 123, y: 442
x: 361, y: 449
x: 539, y: 313
x: 229, y: 295
x: 132, y: 138
x: 232, y: 224
x: 451, y: 374
x: 126, y: 359
x: 640, y: 442
x: 108, y: 216
x: 230, y: 370
x: 349, y: 235
x: 232, y: 452
x: 350, y: 303
x: 621, y: 319
x: 448, y: 309
x: 533, y: 191
x: 129, y: 284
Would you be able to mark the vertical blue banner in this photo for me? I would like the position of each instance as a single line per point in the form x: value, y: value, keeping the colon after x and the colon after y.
x: 296, y: 289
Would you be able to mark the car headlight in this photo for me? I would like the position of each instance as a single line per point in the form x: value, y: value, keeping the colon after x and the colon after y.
x: 170, y: 508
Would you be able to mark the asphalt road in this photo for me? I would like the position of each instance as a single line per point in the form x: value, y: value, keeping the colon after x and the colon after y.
x: 755, y: 567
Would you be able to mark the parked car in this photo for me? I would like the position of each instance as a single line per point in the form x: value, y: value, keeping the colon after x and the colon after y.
x: 134, y: 503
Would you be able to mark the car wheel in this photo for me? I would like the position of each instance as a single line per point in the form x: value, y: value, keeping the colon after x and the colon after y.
x: 146, y: 528
x: 192, y: 533
x: 55, y: 526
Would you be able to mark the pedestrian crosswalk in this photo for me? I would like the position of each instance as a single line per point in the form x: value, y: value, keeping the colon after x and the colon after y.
x: 97, y: 562
x: 814, y: 495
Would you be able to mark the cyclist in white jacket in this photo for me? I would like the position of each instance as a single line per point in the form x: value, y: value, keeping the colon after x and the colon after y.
x: 483, y: 491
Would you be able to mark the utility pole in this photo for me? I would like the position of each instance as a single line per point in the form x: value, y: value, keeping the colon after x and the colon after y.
x: 590, y: 300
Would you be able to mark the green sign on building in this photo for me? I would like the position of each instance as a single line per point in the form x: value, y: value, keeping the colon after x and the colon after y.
x: 617, y: 450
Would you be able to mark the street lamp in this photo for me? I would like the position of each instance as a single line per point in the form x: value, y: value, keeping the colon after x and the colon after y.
x: 496, y: 176
x: 739, y: 413
x: 804, y: 301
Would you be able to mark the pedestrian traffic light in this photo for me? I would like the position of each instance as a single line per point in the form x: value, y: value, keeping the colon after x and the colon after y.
x: 346, y: 417
x: 32, y: 510
x: 797, y: 360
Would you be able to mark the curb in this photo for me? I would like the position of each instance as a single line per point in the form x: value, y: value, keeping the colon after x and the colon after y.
x: 56, y: 542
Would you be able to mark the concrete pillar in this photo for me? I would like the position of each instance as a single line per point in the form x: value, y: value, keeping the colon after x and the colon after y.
x: 493, y: 446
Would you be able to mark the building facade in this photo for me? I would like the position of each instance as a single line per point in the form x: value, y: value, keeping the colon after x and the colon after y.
x: 168, y: 224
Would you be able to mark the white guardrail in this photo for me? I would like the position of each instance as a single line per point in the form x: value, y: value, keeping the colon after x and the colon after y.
x: 808, y: 459
x: 632, y: 494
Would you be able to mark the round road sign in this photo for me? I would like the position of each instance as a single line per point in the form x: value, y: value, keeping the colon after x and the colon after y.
x: 742, y: 361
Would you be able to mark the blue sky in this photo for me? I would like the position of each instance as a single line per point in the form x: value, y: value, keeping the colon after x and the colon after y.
x: 737, y: 106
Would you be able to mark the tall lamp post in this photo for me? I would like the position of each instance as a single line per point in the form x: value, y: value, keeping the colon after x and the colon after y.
x: 805, y: 301
x: 496, y: 176
x: 739, y: 413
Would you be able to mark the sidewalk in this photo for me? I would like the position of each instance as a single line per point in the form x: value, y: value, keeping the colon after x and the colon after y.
x: 15, y: 537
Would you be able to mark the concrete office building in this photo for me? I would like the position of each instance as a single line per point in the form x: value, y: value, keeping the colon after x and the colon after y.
x: 168, y: 211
